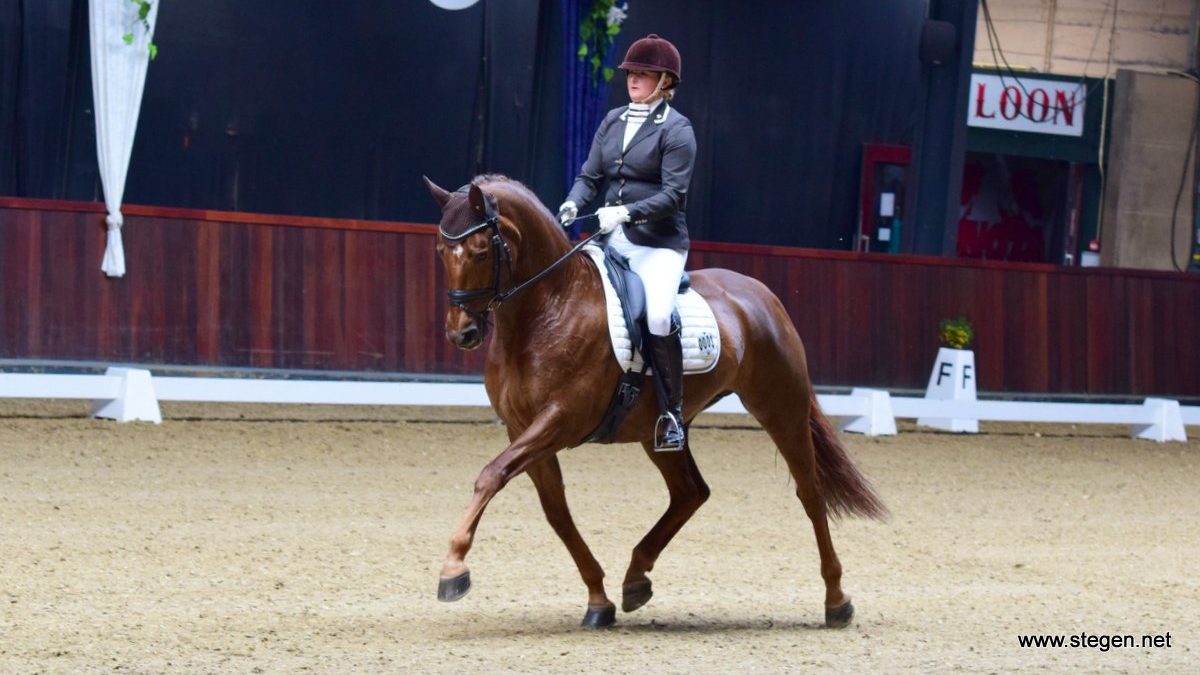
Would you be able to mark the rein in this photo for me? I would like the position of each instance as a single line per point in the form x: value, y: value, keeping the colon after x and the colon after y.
x: 553, y: 266
x: 460, y: 297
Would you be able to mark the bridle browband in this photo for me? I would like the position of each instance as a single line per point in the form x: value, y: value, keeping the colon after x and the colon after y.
x: 495, y: 296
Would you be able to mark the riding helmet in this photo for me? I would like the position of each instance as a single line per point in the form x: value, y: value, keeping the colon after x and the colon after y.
x: 653, y: 54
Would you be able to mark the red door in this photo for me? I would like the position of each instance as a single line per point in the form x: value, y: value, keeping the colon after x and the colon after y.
x: 884, y: 176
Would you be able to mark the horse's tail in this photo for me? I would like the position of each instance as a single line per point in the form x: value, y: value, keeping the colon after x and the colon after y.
x: 845, y: 489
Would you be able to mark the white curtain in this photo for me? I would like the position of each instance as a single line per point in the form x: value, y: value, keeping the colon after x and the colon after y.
x: 118, y: 77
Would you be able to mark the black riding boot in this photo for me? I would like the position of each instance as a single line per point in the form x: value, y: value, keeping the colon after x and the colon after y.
x: 669, y: 433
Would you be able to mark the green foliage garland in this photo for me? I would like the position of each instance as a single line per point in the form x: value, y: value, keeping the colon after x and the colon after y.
x: 143, y: 13
x: 597, y: 31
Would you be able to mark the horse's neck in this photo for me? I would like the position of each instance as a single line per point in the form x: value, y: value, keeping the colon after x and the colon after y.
x: 538, y: 250
x: 543, y: 305
x: 546, y: 304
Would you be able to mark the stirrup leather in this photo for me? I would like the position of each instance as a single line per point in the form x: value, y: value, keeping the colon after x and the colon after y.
x: 668, y: 433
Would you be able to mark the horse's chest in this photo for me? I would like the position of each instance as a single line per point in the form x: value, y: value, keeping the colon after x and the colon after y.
x: 522, y: 387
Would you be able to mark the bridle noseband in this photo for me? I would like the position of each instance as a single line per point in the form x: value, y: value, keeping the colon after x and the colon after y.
x: 459, y: 297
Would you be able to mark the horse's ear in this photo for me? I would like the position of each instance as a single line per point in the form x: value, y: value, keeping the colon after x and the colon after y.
x: 439, y: 195
x: 481, y: 202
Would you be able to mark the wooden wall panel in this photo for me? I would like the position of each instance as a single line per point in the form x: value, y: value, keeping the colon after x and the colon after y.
x: 206, y: 287
x: 246, y: 290
x: 872, y: 320
x: 421, y: 325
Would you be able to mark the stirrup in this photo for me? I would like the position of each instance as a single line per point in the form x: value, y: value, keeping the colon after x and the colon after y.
x: 669, y: 435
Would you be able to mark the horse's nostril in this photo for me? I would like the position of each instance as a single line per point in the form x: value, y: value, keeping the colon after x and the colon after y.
x: 470, y: 335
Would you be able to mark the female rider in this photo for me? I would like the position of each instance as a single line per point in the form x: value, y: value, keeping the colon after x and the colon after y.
x: 644, y: 152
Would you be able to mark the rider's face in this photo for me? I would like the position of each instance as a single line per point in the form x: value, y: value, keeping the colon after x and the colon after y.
x: 641, y: 84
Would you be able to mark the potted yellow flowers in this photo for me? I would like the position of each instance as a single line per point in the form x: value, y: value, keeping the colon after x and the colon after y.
x: 953, y: 376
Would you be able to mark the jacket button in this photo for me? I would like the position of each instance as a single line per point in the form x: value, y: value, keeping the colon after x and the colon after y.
x: 620, y: 161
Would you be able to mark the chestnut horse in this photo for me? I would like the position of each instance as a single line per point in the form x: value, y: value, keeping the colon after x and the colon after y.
x: 550, y: 374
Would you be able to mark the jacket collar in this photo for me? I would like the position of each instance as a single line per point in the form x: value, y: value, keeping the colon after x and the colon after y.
x: 658, y: 115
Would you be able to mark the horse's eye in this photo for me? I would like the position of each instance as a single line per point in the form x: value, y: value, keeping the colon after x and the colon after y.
x: 480, y: 255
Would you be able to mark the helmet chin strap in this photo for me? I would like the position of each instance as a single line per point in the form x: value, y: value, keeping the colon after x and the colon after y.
x: 662, y: 77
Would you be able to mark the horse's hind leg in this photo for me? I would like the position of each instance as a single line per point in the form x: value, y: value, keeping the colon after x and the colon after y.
x: 688, y: 491
x: 783, y: 406
x: 547, y: 478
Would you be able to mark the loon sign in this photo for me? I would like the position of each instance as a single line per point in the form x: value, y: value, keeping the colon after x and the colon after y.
x: 1026, y: 104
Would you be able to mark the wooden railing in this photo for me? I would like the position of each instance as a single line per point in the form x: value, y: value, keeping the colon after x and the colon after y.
x: 250, y: 290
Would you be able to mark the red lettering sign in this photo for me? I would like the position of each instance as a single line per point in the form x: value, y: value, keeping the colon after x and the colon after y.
x: 1026, y: 104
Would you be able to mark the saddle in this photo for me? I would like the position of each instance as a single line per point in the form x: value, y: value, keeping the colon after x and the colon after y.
x: 632, y: 295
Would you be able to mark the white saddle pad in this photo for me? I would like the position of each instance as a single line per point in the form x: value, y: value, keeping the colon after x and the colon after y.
x: 700, y: 336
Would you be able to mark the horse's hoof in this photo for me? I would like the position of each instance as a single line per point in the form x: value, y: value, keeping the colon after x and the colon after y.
x: 600, y: 617
x: 453, y: 588
x: 635, y: 595
x: 840, y: 616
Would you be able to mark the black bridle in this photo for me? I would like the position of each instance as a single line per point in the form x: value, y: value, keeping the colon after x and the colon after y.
x: 459, y: 297
x: 499, y: 249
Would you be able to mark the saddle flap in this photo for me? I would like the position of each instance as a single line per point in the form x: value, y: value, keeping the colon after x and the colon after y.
x: 629, y: 285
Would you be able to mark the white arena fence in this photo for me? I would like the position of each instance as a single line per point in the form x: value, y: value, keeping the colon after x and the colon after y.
x: 132, y: 394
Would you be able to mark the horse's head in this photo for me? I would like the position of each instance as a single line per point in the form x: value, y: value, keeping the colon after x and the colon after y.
x: 478, y: 248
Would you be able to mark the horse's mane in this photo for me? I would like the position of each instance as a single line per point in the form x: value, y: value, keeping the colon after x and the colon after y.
x: 521, y: 193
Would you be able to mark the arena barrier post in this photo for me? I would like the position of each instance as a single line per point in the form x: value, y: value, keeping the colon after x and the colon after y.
x: 878, y: 420
x: 135, y: 401
x: 1166, y: 424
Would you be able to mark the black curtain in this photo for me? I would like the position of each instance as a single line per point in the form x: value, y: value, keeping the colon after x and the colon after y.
x: 783, y: 95
x: 328, y: 109
x: 37, y: 74
x: 336, y: 109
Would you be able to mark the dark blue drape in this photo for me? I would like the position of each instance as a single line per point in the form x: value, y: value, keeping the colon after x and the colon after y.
x: 583, y: 96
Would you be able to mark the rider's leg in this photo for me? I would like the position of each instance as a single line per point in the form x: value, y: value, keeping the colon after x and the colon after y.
x: 660, y: 270
x: 668, y: 373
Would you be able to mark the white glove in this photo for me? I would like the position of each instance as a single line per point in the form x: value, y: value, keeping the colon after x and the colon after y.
x: 567, y: 212
x: 611, y: 216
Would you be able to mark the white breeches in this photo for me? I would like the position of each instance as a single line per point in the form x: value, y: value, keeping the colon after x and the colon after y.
x: 660, y: 270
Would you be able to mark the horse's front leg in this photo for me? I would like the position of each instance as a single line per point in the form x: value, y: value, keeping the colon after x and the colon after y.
x: 540, y: 440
